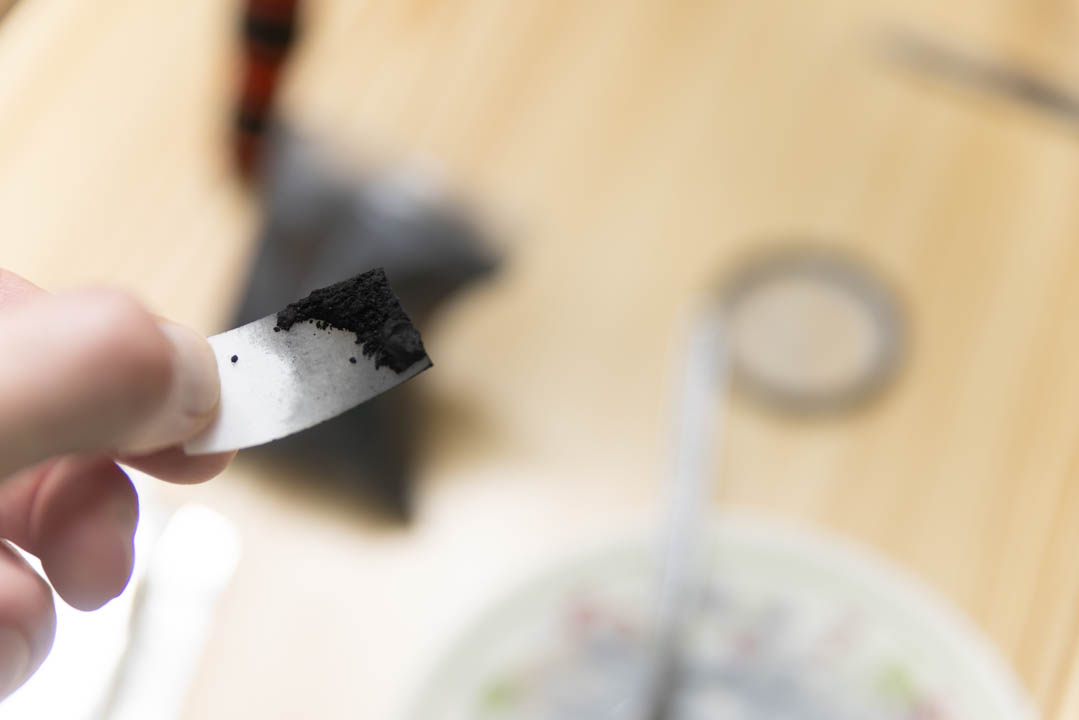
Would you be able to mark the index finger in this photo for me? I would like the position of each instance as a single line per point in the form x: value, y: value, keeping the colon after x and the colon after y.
x: 95, y: 372
x: 15, y: 289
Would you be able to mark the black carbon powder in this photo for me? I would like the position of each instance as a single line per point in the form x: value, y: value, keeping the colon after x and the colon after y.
x: 368, y: 307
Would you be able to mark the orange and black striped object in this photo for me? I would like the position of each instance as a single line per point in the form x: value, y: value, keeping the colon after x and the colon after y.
x: 269, y: 32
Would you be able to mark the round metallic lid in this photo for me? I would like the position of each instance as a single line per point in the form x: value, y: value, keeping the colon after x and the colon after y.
x: 811, y: 330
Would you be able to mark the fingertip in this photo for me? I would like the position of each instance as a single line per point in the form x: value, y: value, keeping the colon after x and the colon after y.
x: 84, y: 524
x: 89, y: 588
x: 122, y: 344
x: 168, y: 371
x: 15, y: 289
x: 27, y: 620
x: 96, y: 372
x: 91, y: 367
x: 175, y: 466
x: 193, y: 391
x: 14, y: 659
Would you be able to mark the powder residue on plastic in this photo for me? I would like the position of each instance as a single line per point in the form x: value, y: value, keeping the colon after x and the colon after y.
x: 368, y: 307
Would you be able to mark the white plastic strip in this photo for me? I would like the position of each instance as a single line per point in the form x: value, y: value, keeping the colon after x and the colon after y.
x: 287, y: 381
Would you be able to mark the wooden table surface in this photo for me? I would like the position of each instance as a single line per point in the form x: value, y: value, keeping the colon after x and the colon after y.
x: 635, y: 149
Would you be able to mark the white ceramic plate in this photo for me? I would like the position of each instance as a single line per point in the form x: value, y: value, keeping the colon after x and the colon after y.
x: 796, y: 625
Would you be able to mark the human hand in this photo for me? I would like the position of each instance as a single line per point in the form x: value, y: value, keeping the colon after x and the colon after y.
x: 85, y: 378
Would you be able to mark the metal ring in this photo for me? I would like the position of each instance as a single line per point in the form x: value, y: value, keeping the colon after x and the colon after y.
x: 844, y: 280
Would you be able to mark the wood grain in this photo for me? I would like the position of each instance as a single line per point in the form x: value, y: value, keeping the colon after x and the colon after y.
x: 637, y: 149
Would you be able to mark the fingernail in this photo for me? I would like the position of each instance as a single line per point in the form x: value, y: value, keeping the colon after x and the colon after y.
x: 193, y: 393
x: 14, y: 659
x: 194, y: 370
x: 195, y: 383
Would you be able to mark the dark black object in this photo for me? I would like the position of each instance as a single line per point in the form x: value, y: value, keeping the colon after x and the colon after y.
x: 319, y: 225
x: 234, y: 358
x: 366, y: 306
x: 270, y: 31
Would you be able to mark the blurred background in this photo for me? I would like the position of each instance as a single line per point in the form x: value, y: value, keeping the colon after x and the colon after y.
x: 618, y: 160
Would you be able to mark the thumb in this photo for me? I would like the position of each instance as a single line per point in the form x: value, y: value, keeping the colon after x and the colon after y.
x: 95, y: 372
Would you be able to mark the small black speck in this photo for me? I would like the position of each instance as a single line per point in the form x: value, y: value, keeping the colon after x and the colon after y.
x: 276, y: 329
x: 352, y: 360
x: 235, y: 358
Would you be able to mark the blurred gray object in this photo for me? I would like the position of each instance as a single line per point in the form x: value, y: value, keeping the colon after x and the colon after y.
x: 812, y: 331
x: 922, y: 53
x: 6, y: 6
x: 683, y: 570
x: 321, y: 224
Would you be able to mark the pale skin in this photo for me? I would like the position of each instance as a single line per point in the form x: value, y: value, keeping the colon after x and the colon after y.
x: 86, y: 378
